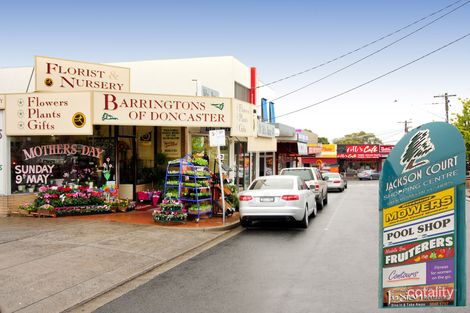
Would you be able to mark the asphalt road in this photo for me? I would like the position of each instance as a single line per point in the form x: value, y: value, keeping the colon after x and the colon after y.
x: 330, y: 267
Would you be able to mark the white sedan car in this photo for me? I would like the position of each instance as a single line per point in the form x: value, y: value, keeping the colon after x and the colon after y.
x: 277, y: 198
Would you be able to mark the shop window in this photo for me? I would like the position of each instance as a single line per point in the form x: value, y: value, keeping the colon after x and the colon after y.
x: 145, y: 155
x: 242, y: 93
x: 61, y: 160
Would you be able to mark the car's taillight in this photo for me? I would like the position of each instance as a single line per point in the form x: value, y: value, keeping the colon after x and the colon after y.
x: 290, y: 197
x: 317, y: 186
x: 246, y: 198
x: 336, y: 181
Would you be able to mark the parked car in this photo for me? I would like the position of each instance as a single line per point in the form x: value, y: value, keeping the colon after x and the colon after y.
x: 277, y: 198
x: 313, y: 179
x: 368, y: 175
x: 335, y: 181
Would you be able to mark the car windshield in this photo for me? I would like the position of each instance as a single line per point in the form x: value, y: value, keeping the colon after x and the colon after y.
x: 264, y: 184
x: 331, y: 175
x: 302, y: 173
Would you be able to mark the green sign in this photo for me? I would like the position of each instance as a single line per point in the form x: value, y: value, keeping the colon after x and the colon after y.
x: 422, y: 220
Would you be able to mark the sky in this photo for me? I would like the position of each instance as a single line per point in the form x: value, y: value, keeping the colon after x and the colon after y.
x: 279, y: 38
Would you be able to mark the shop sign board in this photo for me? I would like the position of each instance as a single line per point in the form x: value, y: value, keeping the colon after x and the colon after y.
x: 217, y: 138
x: 54, y: 75
x: 328, y: 151
x: 36, y: 114
x: 302, y: 148
x: 266, y: 130
x: 385, y: 150
x: 302, y: 137
x: 422, y: 220
x: 171, y: 142
x: 3, y: 155
x: 358, y: 152
x: 314, y: 148
x: 160, y: 110
x: 262, y: 144
x: 2, y: 102
x: 243, y: 117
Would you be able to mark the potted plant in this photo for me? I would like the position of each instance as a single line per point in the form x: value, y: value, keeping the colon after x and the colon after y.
x: 26, y: 209
x: 46, y: 210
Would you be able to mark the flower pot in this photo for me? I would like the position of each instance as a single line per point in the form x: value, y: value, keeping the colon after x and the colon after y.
x: 46, y: 212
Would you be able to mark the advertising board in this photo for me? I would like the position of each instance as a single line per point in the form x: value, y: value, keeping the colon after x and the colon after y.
x: 422, y: 220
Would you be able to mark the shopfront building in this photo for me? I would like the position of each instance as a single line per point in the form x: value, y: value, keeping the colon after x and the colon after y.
x: 322, y: 156
x: 95, y: 132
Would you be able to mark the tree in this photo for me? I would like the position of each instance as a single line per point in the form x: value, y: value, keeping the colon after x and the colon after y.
x: 323, y: 140
x: 358, y: 139
x: 462, y: 122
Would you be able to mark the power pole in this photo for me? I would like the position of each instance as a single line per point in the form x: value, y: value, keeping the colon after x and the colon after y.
x: 407, y: 123
x: 446, y: 103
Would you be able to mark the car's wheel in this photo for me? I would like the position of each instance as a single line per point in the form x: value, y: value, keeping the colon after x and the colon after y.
x: 346, y: 186
x: 341, y: 189
x: 325, y: 200
x: 304, y: 222
x: 245, y: 223
x: 320, y: 204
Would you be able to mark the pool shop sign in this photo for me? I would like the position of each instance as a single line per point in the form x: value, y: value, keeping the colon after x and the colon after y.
x: 422, y: 220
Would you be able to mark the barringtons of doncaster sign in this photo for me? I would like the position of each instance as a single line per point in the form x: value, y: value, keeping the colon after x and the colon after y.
x: 54, y: 75
x: 160, y: 110
x: 422, y: 220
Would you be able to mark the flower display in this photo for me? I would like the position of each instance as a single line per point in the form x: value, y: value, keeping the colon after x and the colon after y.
x: 170, y: 211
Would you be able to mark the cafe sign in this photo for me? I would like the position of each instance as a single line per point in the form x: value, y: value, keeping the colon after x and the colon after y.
x: 36, y: 114
x: 422, y: 220
x: 64, y: 75
x: 358, y: 152
x: 160, y: 110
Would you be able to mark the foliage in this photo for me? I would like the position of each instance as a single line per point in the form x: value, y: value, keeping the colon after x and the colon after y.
x: 67, y: 196
x: 200, y: 162
x: 30, y: 207
x: 323, y: 140
x: 233, y: 198
x: 462, y: 122
x: 82, y: 210
x: 358, y: 138
x: 170, y: 211
x: 201, y: 208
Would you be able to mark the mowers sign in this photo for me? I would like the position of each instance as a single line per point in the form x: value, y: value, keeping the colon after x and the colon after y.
x: 422, y: 220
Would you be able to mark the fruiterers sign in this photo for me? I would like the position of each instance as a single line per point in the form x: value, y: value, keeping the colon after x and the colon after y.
x: 36, y: 114
x: 160, y: 110
x: 422, y: 220
x: 64, y: 75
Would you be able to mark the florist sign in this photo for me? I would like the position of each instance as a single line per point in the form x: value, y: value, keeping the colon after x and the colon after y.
x: 64, y: 75
x: 161, y: 110
x: 422, y: 220
x: 36, y: 114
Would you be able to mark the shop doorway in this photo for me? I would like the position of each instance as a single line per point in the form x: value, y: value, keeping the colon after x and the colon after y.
x: 266, y: 164
x: 126, y: 158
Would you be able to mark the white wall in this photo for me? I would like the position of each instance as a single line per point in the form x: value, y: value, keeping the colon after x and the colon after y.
x: 15, y: 80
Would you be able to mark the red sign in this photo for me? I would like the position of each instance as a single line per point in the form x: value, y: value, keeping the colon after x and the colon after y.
x: 385, y: 149
x: 359, y: 152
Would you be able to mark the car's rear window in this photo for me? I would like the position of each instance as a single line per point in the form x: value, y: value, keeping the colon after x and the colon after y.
x: 264, y: 184
x: 331, y: 175
x: 304, y: 174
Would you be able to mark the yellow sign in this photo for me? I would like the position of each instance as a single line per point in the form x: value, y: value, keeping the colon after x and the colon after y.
x: 424, y: 206
x: 79, y: 119
x: 64, y: 75
x: 36, y: 114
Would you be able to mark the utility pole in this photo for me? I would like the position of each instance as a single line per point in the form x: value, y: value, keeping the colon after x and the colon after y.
x: 446, y: 103
x: 407, y: 123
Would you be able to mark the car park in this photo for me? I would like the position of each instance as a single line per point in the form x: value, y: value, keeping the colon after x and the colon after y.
x: 335, y: 181
x: 314, y: 181
x: 285, y: 198
x: 368, y: 175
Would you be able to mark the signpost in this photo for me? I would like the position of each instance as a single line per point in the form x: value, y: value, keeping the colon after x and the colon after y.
x: 422, y: 220
x: 217, y: 139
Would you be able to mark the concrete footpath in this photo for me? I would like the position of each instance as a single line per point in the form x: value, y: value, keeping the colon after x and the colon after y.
x: 52, y: 265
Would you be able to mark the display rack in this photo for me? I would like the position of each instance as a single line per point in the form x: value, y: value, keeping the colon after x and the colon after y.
x: 189, y: 183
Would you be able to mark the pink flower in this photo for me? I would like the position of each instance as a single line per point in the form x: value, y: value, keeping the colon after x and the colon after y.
x: 42, y: 189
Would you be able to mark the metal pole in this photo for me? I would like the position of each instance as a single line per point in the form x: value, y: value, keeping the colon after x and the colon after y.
x: 221, y: 185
